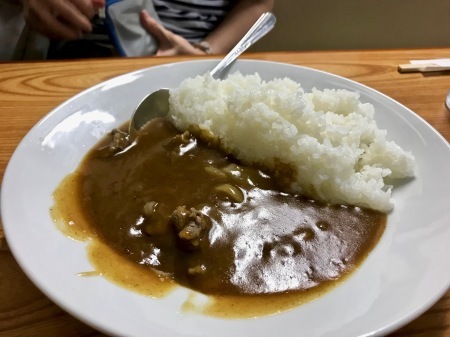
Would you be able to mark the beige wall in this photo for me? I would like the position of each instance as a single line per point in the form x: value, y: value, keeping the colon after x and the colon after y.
x: 358, y: 24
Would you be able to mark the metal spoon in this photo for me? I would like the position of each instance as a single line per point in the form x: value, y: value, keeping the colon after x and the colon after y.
x: 156, y: 104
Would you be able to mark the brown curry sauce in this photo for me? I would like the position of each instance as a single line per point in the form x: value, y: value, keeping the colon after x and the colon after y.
x: 254, y: 247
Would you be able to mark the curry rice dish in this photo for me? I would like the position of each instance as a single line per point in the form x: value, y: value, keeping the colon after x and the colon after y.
x: 181, y: 203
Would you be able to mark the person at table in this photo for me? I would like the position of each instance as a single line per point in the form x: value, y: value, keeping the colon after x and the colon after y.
x: 178, y: 27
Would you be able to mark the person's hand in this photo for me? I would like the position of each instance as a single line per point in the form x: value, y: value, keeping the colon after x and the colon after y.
x: 170, y: 44
x: 61, y: 19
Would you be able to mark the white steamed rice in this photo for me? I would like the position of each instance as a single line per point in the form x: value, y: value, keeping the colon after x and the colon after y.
x: 329, y: 137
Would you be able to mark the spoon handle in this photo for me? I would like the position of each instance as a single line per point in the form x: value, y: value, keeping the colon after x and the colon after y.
x: 261, y: 27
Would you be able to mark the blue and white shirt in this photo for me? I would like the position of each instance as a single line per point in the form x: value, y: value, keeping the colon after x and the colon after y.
x: 192, y: 19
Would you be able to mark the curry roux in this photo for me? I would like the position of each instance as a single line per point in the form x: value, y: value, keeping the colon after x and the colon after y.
x: 259, y: 251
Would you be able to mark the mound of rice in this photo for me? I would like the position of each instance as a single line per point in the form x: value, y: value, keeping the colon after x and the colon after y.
x: 329, y: 138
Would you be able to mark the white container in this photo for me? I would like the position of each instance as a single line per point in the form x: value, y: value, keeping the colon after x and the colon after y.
x: 447, y: 100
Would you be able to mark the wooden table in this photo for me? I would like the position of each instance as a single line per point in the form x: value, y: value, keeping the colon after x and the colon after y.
x: 30, y: 90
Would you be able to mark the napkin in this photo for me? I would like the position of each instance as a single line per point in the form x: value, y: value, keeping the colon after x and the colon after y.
x: 438, y: 62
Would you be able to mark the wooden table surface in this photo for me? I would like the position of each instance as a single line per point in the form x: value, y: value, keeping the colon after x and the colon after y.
x: 30, y: 90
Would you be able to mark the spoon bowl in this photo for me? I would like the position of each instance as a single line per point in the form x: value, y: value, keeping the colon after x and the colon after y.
x: 156, y: 104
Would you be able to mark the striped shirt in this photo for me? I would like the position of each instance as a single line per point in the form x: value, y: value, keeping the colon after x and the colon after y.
x: 192, y: 19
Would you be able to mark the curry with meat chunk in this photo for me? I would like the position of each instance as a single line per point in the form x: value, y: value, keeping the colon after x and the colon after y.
x: 186, y: 213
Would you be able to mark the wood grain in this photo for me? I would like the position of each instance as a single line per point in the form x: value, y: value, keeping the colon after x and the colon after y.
x: 30, y: 90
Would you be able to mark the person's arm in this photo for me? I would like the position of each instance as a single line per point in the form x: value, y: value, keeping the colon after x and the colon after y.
x: 60, y: 19
x: 234, y: 26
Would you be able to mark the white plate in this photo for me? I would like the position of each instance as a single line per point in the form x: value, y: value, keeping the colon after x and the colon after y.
x: 408, y: 271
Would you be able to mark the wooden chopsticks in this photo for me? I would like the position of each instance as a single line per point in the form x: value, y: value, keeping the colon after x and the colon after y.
x: 422, y: 68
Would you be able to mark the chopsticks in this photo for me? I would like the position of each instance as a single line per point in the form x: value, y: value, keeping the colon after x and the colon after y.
x: 422, y: 68
x: 425, y: 66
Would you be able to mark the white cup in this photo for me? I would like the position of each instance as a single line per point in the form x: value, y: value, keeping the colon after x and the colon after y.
x: 447, y: 100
